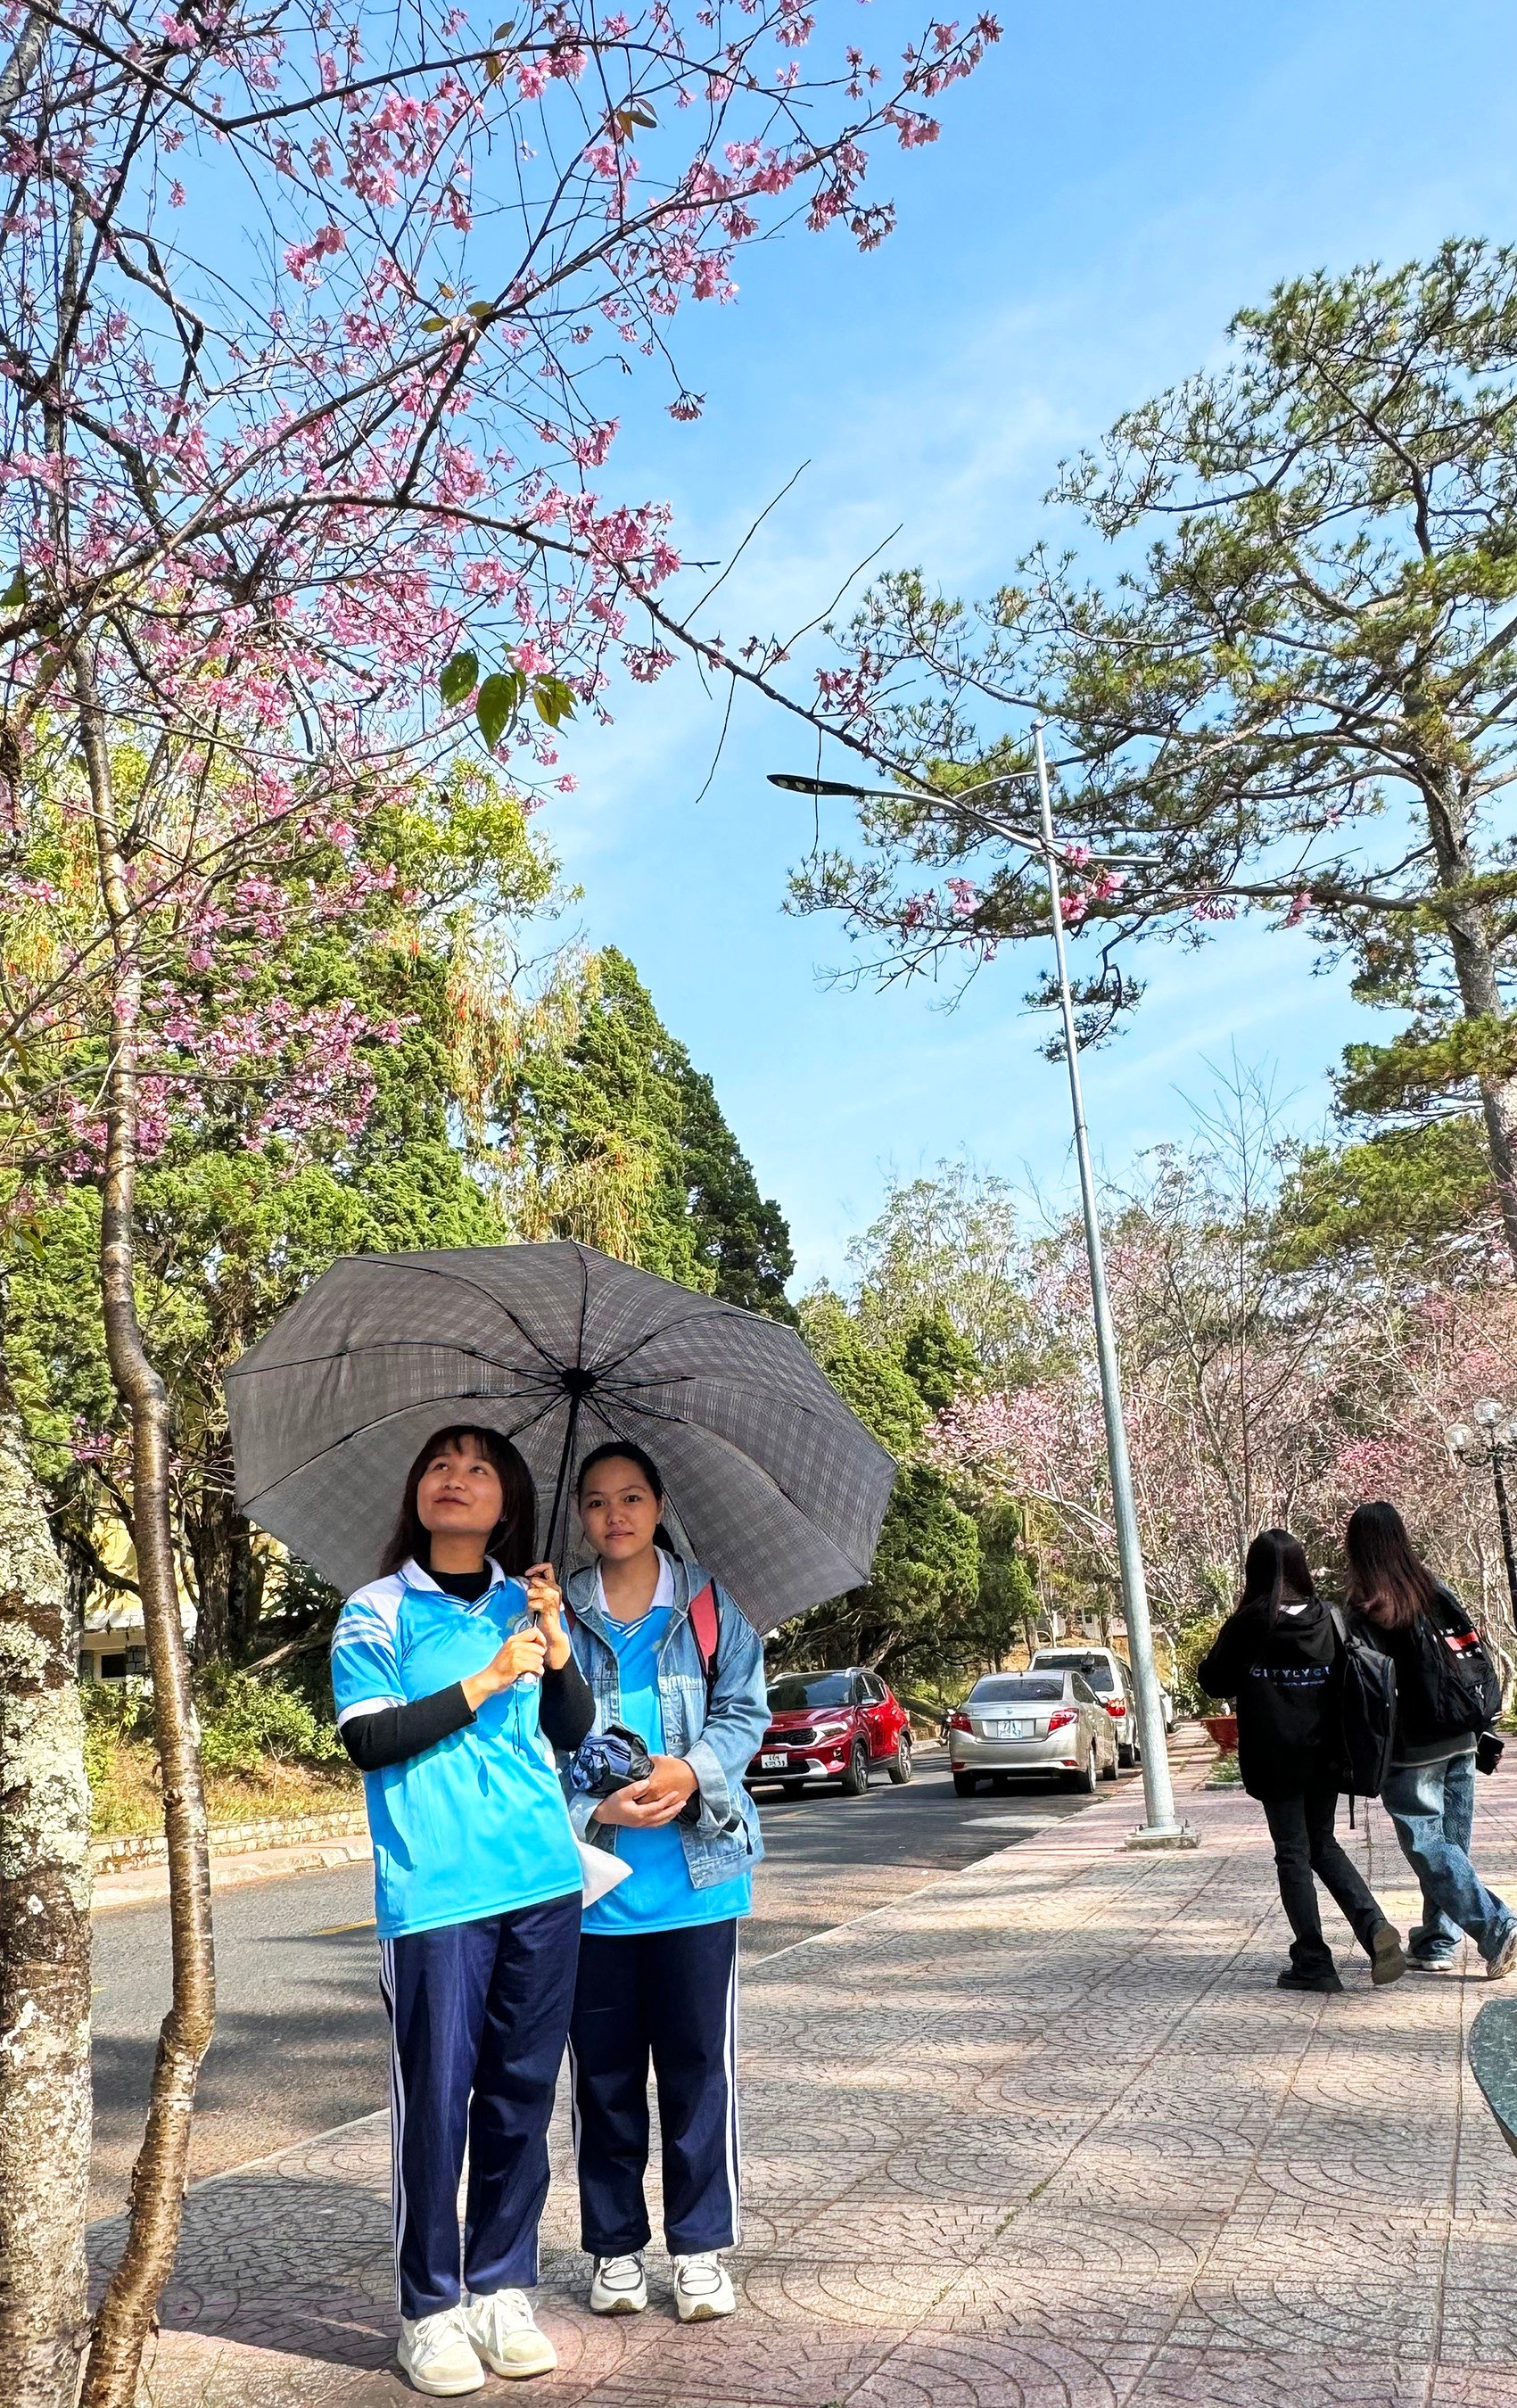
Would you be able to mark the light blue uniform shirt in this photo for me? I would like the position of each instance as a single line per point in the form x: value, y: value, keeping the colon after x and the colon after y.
x: 658, y: 1894
x: 475, y: 1825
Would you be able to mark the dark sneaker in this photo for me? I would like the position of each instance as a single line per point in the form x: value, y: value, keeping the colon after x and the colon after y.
x: 1292, y: 1980
x: 1387, y: 1958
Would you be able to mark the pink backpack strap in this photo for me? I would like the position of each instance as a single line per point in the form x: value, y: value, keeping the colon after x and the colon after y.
x: 705, y: 1622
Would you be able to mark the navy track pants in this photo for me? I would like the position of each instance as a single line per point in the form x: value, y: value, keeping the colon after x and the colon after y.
x: 478, y: 2014
x: 669, y: 1997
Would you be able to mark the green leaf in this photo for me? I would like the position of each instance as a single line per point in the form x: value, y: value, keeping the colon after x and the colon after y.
x: 480, y: 310
x: 554, y: 700
x: 460, y: 677
x: 496, y: 703
x: 15, y: 592
x: 641, y: 114
x: 435, y: 325
x: 501, y: 31
x: 495, y: 67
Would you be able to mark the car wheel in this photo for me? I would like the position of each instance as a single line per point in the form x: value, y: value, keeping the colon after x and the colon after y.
x: 1085, y: 1782
x: 793, y: 1789
x: 900, y: 1771
x: 965, y: 1784
x: 856, y: 1778
x: 1126, y: 1757
x: 1110, y: 1772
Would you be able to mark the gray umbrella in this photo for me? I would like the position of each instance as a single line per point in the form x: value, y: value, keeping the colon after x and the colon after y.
x: 771, y: 1481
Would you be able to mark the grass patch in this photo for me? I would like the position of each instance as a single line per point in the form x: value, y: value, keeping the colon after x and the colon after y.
x: 265, y: 1753
x: 1224, y: 1773
x: 125, y: 1796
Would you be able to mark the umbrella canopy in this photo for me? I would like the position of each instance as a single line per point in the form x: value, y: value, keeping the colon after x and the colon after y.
x: 775, y: 1485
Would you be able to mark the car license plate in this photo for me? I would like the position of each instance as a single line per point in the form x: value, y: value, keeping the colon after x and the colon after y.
x: 773, y: 1763
x: 1010, y: 1731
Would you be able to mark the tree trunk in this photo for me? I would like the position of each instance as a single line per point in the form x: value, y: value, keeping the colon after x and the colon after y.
x: 157, y: 2196
x: 1479, y: 991
x: 45, y: 2108
x: 228, y: 1577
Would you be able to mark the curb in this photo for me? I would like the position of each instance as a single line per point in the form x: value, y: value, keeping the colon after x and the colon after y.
x: 123, y: 1852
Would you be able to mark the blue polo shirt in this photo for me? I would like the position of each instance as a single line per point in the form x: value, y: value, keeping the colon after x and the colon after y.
x: 475, y: 1825
x: 658, y: 1894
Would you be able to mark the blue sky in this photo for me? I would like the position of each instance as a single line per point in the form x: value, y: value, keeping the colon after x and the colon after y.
x: 1110, y: 188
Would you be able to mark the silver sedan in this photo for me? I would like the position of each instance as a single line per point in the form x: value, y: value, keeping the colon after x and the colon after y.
x: 1032, y: 1722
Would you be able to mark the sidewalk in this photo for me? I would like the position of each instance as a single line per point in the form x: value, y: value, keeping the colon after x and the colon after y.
x: 1044, y: 2135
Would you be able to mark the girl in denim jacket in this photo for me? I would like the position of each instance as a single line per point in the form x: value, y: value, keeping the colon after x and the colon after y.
x: 657, y: 1983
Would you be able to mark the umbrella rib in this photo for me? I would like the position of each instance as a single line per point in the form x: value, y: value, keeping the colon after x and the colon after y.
x: 683, y: 1421
x: 710, y: 1378
x: 402, y: 1346
x: 717, y: 1310
x: 464, y: 1397
x: 383, y: 1262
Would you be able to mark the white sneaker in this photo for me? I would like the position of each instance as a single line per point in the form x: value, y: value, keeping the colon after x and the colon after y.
x: 437, y: 2356
x: 504, y: 2330
x: 619, y: 2287
x: 702, y: 2288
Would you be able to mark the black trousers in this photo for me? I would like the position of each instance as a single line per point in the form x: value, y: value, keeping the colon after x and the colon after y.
x: 1301, y: 1828
x: 668, y: 1998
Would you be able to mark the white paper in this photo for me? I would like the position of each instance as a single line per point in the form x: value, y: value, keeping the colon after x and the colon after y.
x: 600, y: 1873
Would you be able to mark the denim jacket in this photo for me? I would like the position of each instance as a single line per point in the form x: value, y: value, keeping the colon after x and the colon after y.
x: 717, y: 1741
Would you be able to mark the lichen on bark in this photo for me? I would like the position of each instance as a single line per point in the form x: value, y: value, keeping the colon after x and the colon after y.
x: 45, y: 2113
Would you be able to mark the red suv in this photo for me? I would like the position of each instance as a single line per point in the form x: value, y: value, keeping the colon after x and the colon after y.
x: 832, y: 1727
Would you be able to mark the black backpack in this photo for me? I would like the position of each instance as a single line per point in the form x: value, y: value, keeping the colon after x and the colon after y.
x: 1451, y: 1686
x: 1361, y: 1753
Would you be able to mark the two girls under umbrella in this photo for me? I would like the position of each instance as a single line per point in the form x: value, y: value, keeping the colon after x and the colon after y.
x: 464, y: 1693
x: 450, y: 1672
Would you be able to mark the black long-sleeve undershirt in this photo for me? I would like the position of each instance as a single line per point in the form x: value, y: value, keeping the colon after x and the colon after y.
x: 392, y: 1733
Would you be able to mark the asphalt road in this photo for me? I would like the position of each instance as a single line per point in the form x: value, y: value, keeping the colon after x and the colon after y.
x: 300, y: 2040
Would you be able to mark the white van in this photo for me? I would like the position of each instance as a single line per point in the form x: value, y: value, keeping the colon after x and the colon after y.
x: 1111, y: 1678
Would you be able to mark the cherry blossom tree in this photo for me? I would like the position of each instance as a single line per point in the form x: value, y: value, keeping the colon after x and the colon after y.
x: 309, y: 330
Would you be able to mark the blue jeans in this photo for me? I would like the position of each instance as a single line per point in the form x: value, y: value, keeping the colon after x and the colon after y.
x: 1433, y: 1807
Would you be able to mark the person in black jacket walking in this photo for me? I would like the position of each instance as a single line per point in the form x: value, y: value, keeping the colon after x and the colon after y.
x: 1275, y: 1655
x: 1429, y: 1792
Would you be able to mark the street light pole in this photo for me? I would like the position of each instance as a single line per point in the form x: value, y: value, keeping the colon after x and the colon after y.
x: 1160, y: 1827
x: 1158, y: 1791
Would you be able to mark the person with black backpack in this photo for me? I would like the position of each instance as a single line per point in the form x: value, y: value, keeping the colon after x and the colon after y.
x: 1277, y: 1654
x: 1447, y: 1696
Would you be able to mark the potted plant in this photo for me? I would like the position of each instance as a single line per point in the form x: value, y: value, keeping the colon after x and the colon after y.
x: 1221, y: 1729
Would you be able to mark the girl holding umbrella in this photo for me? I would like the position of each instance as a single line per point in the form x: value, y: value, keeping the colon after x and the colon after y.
x: 455, y: 1680
x: 669, y: 1656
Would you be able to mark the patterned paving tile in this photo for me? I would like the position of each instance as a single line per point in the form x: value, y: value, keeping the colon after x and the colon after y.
x: 1043, y: 2136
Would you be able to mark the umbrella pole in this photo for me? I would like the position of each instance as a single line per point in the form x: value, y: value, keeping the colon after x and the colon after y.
x: 564, y: 1460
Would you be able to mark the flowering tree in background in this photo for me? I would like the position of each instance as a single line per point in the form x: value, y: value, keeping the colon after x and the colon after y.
x: 308, y: 334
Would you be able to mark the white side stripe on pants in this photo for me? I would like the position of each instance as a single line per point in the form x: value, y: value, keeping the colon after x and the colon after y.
x: 734, y: 2133
x: 397, y: 2107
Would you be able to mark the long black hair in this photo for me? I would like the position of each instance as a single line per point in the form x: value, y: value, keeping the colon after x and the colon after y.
x: 623, y: 1449
x: 513, y: 1540
x: 1274, y: 1568
x: 1387, y: 1578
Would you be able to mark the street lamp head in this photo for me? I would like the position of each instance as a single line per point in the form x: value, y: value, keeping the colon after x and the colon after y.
x: 1506, y: 1435
x: 1487, y: 1412
x: 797, y: 785
x: 1462, y: 1441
